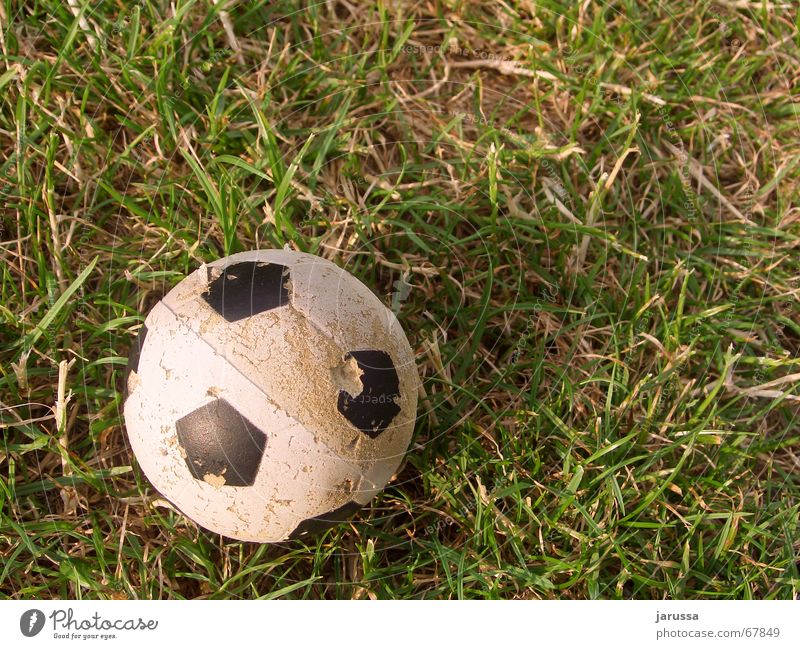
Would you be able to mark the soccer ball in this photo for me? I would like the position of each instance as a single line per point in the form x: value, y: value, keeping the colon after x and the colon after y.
x: 269, y: 395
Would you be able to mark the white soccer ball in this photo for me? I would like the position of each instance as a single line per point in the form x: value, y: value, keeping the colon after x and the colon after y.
x: 270, y: 394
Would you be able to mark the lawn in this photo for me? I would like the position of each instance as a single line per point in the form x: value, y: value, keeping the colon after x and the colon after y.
x: 585, y: 216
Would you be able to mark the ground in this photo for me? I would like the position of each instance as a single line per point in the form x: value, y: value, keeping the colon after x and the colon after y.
x: 584, y: 215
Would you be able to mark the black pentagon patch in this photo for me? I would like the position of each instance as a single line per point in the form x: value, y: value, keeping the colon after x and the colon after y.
x: 218, y: 440
x: 133, y: 360
x: 320, y: 523
x: 248, y: 288
x: 372, y: 410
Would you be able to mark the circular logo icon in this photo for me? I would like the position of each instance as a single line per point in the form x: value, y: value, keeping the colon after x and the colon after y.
x: 31, y: 622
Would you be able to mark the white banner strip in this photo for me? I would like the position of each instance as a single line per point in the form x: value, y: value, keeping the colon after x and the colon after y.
x: 389, y: 625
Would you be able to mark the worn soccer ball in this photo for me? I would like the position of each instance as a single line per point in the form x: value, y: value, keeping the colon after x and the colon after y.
x: 269, y: 395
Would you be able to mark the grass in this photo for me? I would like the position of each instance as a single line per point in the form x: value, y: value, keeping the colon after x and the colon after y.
x: 591, y: 209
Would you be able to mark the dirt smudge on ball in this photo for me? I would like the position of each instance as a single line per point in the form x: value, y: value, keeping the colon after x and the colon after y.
x: 347, y: 376
x: 215, y: 481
